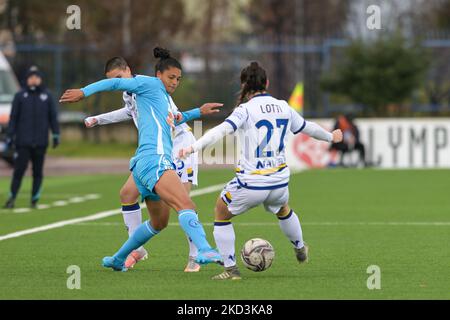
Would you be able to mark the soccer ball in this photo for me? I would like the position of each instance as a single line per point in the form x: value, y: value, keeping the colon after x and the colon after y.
x: 257, y: 254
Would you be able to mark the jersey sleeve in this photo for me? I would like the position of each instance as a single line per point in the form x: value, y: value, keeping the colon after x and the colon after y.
x: 189, y: 115
x: 298, y: 124
x: 14, y: 116
x: 115, y: 116
x: 53, y: 115
x: 212, y: 136
x: 238, y: 117
x: 309, y: 128
x: 317, y: 132
x: 136, y: 85
x: 186, y: 116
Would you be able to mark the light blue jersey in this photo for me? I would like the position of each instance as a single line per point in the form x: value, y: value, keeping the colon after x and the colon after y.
x: 153, y: 157
x: 154, y: 153
x: 153, y: 105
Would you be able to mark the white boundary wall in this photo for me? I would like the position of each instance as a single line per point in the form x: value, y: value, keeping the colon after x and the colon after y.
x: 389, y: 143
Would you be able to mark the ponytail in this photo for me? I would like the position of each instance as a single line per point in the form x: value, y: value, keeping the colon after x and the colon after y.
x: 253, y: 79
x: 166, y: 61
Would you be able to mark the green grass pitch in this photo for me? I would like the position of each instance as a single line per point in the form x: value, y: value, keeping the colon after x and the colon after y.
x: 352, y: 219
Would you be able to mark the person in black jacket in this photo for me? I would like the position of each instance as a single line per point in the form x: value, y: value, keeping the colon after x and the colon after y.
x: 33, y: 112
x: 351, y: 139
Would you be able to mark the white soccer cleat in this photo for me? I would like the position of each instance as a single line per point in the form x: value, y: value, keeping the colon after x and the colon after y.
x: 192, y: 266
x: 230, y: 273
x: 135, y: 256
x: 302, y: 254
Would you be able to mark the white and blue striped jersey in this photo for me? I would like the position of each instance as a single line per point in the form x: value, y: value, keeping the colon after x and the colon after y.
x: 262, y: 125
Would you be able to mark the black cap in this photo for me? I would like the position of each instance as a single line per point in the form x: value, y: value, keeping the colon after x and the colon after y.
x: 33, y: 71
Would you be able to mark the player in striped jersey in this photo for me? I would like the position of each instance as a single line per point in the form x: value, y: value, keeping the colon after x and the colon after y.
x: 262, y: 176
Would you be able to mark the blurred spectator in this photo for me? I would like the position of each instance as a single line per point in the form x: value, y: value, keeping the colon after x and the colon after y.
x: 351, y: 140
x: 33, y: 113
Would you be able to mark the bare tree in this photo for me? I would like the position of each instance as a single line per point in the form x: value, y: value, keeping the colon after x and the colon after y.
x: 301, y: 22
x: 119, y: 27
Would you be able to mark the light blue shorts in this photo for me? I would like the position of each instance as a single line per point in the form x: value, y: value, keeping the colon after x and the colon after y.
x: 146, y: 173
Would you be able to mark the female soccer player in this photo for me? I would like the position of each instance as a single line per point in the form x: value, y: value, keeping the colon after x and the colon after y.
x: 152, y: 166
x: 262, y: 175
x: 187, y: 170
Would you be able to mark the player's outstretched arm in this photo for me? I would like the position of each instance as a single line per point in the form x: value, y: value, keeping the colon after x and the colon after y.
x: 134, y: 85
x: 314, y: 130
x: 205, y: 110
x: 210, y: 108
x: 71, y: 96
x: 337, y: 136
x: 209, y: 138
x: 230, y: 125
x: 115, y: 116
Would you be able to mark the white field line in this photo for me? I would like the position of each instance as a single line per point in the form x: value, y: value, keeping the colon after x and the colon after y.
x: 93, y: 217
x: 58, y: 203
x: 59, y: 224
x: 268, y: 224
x: 49, y: 195
x: 22, y: 210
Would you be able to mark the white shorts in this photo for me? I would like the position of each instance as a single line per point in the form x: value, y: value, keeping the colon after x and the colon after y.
x: 187, y: 169
x: 239, y: 199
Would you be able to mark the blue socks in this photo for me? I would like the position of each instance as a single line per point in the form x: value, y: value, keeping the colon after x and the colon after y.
x: 142, y: 234
x: 191, y: 225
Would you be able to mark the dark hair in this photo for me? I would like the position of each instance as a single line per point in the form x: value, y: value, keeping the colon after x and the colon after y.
x: 115, y: 63
x: 166, y: 61
x: 253, y: 79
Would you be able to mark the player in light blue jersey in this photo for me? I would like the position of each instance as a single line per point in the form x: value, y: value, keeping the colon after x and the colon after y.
x: 152, y: 166
x: 118, y: 67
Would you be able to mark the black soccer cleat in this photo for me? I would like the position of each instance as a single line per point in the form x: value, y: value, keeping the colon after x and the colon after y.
x: 9, y: 204
x: 33, y: 204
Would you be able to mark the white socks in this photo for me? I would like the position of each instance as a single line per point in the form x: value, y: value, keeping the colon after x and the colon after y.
x: 193, y: 252
x: 290, y: 225
x: 225, y: 237
x: 132, y: 216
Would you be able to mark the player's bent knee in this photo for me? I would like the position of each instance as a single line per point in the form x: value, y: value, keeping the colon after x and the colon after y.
x: 284, y: 211
x: 218, y: 212
x: 221, y: 212
x: 126, y: 196
x: 159, y: 225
